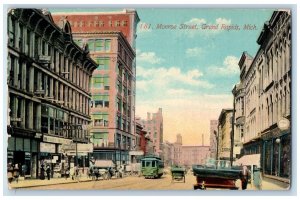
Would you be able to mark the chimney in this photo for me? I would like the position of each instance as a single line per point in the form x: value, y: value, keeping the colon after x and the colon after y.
x: 202, y: 139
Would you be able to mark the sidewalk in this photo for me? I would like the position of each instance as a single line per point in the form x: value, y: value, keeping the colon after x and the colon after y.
x: 27, y: 183
x: 270, y: 184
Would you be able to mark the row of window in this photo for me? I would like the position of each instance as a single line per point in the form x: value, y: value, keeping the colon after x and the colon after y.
x: 123, y: 142
x: 95, y: 45
x: 24, y: 112
x: 101, y: 82
x: 54, y: 121
x: 44, y: 53
x: 100, y: 23
x: 124, y: 55
x: 123, y: 124
x: 27, y: 78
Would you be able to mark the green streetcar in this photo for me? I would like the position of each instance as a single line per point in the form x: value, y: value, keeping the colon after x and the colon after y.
x: 152, y: 166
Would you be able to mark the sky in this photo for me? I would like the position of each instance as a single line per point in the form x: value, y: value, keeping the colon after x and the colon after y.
x: 190, y: 73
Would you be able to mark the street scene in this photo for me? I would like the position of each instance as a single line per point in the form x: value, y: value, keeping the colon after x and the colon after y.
x: 148, y: 99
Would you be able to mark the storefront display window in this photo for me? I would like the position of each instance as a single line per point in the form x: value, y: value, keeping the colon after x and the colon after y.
x: 11, y: 143
x: 19, y: 144
x: 267, y: 160
x: 285, y: 157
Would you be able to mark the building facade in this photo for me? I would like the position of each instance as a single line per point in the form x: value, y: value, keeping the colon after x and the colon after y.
x: 224, y: 134
x: 49, y: 92
x: 185, y: 155
x: 213, y: 138
x: 154, y: 127
x: 274, y: 84
x: 267, y: 98
x: 167, y: 153
x: 111, y: 40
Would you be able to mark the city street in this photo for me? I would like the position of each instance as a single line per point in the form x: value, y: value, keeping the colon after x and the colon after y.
x: 127, y: 183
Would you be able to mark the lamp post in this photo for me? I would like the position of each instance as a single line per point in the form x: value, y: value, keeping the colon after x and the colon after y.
x: 217, y: 140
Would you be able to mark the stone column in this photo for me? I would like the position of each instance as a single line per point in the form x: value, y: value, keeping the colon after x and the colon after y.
x: 38, y: 117
x: 30, y: 115
x: 23, y: 80
x: 23, y: 116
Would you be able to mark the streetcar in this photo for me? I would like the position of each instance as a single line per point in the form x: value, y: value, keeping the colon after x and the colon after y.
x: 152, y: 166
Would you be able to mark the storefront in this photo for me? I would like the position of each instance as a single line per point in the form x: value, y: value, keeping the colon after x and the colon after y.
x: 277, y: 153
x: 24, y: 152
x: 52, y: 154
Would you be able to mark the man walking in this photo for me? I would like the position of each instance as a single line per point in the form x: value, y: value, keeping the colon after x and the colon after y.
x: 48, y: 171
x: 244, y: 177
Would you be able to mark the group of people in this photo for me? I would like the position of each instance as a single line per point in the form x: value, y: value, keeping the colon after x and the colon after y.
x: 13, y: 172
x: 72, y: 172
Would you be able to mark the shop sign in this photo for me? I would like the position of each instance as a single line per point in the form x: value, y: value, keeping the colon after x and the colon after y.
x: 283, y: 124
x: 136, y: 153
x: 56, y: 140
x: 47, y: 147
x: 27, y: 155
x: 81, y: 148
x: 14, y: 119
x: 10, y: 154
x: 85, y: 148
x: 38, y: 135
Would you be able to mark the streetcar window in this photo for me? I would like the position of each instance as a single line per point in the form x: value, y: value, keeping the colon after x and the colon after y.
x: 153, y: 163
x: 148, y: 163
x: 143, y: 163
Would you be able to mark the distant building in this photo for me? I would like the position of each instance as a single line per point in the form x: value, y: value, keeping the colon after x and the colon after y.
x: 167, y: 153
x: 48, y: 83
x: 224, y: 136
x: 213, y: 138
x: 188, y: 155
x: 154, y: 127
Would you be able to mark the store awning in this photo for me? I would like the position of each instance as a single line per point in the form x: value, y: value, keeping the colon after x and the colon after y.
x: 253, y: 159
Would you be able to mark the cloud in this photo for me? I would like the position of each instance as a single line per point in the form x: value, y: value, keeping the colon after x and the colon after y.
x: 196, y: 21
x: 223, y: 21
x: 178, y: 92
x: 229, y: 67
x: 148, y: 57
x: 194, y: 52
x: 164, y: 76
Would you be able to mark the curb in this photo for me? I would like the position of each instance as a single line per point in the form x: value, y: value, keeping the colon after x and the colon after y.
x: 30, y: 186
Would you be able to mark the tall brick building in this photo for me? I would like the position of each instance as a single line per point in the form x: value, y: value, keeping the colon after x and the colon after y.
x: 110, y: 37
x: 154, y: 127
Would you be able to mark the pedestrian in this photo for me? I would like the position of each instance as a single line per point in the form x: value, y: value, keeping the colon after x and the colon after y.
x: 24, y: 170
x: 10, y: 171
x: 96, y: 172
x: 72, y: 172
x: 244, y: 176
x: 67, y: 173
x: 48, y: 171
x: 77, y: 173
x: 42, y: 175
x: 257, y: 178
x: 16, y: 172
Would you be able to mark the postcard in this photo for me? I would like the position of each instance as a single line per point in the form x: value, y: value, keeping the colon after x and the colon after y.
x: 149, y: 98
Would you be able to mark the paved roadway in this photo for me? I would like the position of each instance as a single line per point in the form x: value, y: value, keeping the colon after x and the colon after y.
x: 127, y: 183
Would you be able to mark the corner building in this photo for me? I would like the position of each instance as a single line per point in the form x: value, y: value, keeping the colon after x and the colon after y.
x: 111, y: 40
x: 48, y: 85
